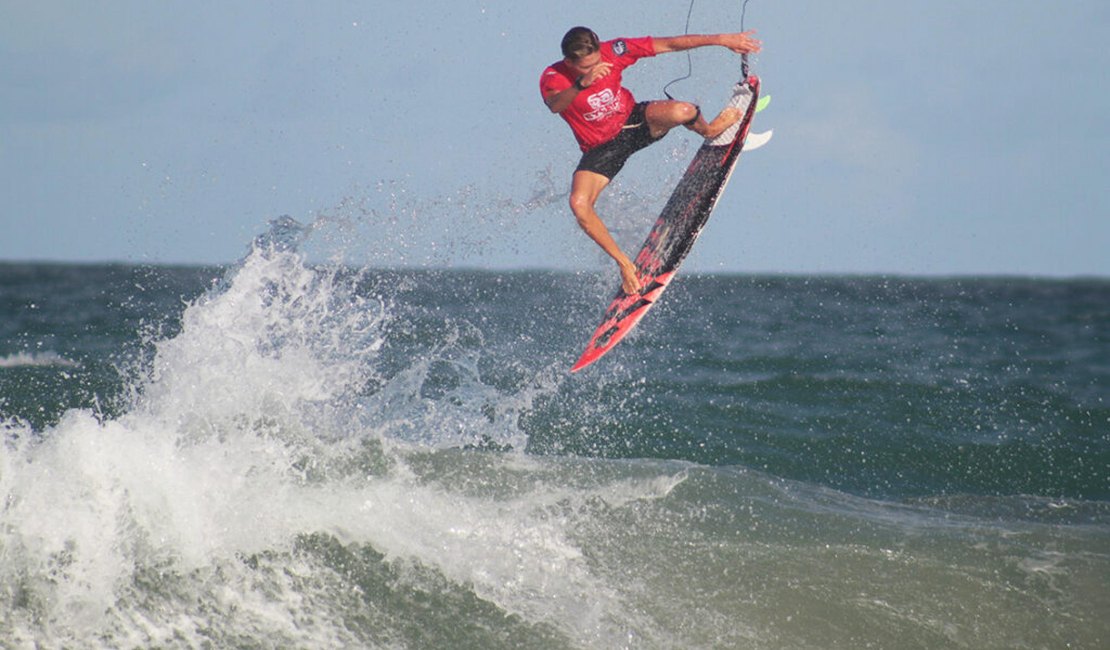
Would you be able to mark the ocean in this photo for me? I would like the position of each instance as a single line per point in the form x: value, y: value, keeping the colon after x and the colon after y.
x: 287, y: 453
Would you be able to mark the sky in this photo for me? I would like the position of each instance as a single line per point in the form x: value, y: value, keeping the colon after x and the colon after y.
x: 911, y: 138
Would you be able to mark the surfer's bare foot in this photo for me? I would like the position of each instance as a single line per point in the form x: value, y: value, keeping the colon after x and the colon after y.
x: 630, y: 283
x: 722, y: 122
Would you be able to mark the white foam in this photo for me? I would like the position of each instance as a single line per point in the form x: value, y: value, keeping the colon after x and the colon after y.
x: 230, y: 450
x: 47, y: 358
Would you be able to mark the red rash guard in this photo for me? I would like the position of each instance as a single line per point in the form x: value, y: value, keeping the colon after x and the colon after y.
x: 597, y: 114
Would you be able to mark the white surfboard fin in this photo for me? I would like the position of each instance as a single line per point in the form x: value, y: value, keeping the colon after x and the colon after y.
x: 757, y: 140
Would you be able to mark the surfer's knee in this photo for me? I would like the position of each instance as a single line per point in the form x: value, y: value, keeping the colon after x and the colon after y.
x: 580, y: 204
x: 692, y: 123
x: 584, y: 190
x: 687, y: 114
x: 665, y: 115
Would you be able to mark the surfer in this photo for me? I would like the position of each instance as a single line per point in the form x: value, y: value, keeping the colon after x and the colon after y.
x: 585, y: 89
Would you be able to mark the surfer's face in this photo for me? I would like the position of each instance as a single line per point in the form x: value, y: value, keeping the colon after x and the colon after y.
x: 586, y: 63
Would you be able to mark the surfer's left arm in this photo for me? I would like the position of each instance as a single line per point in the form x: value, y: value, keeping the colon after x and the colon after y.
x: 739, y: 42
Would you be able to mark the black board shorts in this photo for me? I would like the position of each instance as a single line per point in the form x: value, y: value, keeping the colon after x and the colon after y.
x: 609, y: 157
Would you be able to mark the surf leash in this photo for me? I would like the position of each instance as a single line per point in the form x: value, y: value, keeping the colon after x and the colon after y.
x: 689, y: 58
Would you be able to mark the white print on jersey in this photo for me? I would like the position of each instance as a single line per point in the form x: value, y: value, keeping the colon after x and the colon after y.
x: 604, y: 103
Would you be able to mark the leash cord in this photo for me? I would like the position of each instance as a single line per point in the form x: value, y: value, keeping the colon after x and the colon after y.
x: 690, y: 60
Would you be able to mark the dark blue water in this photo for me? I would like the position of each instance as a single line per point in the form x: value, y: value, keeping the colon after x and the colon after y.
x: 294, y: 455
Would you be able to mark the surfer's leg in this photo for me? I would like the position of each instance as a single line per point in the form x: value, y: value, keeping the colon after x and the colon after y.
x: 664, y: 115
x: 720, y: 124
x: 585, y: 187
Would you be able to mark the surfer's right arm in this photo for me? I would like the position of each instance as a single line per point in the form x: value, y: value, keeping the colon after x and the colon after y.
x: 559, y: 101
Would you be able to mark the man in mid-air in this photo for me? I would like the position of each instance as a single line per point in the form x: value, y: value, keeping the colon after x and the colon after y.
x: 585, y: 89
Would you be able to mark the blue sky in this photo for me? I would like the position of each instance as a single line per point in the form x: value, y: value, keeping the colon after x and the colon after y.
x: 933, y: 138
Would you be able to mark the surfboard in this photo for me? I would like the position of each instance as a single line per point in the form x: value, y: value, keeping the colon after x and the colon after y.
x: 678, y: 226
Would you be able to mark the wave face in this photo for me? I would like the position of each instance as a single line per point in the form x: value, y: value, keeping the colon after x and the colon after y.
x: 293, y: 455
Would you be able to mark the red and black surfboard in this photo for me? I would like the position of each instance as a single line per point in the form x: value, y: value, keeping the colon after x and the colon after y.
x: 677, y: 227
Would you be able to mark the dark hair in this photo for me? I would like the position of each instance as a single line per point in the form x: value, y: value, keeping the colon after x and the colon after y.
x: 579, y: 42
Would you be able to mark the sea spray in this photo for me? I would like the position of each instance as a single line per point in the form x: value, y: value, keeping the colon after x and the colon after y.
x: 279, y: 339
x: 261, y: 443
x: 223, y: 425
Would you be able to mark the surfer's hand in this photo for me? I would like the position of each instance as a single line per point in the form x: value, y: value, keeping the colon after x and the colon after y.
x: 602, y: 69
x: 630, y: 282
x: 742, y: 43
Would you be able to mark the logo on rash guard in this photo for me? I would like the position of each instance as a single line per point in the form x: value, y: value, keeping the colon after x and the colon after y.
x: 604, y: 103
x: 619, y: 48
